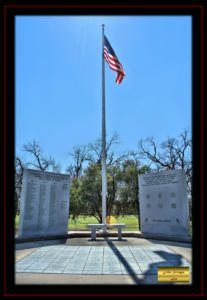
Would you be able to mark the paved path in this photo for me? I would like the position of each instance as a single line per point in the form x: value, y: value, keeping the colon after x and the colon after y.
x: 137, y: 258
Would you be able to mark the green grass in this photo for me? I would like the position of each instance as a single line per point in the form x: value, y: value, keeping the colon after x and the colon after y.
x: 82, y: 222
x: 16, y: 222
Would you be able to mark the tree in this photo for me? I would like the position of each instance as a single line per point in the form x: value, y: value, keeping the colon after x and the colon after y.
x: 95, y: 151
x: 128, y: 200
x: 169, y: 155
x: 112, y: 187
x: 40, y: 162
x: 79, y: 155
x: 76, y: 200
x: 91, y: 191
x: 19, y: 167
x: 75, y: 170
x: 122, y: 188
x: 91, y: 184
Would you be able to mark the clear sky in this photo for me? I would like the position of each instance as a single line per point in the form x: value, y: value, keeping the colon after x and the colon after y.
x: 58, y: 80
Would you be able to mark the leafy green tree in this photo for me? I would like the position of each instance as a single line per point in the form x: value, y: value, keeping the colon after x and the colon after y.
x: 91, y: 181
x: 112, y: 187
x: 76, y: 204
x: 128, y: 199
x: 91, y: 191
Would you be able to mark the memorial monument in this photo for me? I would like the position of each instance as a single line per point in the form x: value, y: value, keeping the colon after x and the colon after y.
x: 164, y: 205
x: 44, y: 205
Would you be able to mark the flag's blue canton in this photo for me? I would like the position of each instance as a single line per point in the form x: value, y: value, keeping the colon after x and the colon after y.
x: 108, y: 46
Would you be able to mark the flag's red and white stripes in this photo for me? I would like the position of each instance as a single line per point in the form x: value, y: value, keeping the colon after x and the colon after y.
x: 114, y: 64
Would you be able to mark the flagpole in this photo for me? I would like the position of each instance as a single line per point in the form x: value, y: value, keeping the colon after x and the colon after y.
x: 103, y: 160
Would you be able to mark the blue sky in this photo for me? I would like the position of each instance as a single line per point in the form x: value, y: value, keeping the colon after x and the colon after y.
x: 58, y: 80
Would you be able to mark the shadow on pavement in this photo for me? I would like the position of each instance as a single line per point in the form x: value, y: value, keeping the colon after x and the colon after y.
x: 167, y: 259
x: 152, y: 269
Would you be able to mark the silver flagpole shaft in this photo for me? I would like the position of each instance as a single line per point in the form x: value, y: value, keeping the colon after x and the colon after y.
x: 104, y: 178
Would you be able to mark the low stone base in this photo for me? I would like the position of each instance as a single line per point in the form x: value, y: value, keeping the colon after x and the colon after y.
x: 80, y: 234
x: 173, y: 238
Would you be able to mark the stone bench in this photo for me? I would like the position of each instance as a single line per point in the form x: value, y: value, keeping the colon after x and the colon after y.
x: 93, y: 228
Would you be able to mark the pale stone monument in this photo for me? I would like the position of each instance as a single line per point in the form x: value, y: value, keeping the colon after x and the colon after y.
x: 44, y: 205
x: 164, y: 205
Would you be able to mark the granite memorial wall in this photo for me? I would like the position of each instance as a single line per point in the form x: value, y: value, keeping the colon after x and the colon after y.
x: 44, y: 204
x: 163, y: 202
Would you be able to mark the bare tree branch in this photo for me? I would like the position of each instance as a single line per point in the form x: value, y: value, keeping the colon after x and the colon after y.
x: 95, y: 151
x: 40, y: 162
x: 79, y: 155
x: 170, y: 154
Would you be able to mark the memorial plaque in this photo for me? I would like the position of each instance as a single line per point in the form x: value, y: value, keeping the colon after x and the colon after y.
x: 164, y: 205
x: 44, y: 205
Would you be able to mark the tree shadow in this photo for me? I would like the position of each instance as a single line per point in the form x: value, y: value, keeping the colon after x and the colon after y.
x: 149, y: 276
x: 167, y: 259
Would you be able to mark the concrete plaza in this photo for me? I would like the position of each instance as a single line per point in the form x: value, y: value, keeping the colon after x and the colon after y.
x: 104, y: 261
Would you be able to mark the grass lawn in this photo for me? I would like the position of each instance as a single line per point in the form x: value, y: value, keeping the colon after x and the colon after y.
x: 16, y: 221
x: 131, y: 222
x: 82, y: 222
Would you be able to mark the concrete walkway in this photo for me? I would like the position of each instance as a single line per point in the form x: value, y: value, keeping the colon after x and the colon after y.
x: 104, y: 261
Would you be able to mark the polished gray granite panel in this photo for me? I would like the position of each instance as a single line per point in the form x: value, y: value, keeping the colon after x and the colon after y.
x: 164, y: 207
x: 44, y: 205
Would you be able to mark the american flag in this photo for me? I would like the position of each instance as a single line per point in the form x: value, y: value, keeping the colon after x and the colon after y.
x: 113, y: 61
